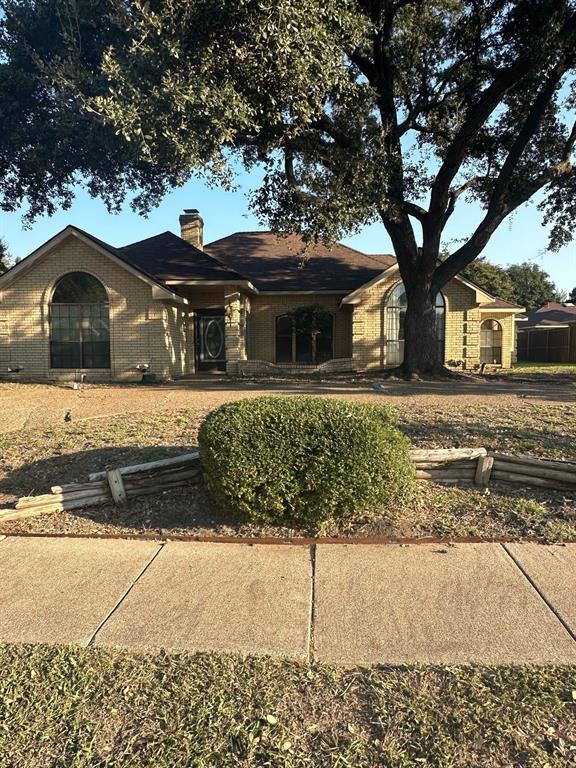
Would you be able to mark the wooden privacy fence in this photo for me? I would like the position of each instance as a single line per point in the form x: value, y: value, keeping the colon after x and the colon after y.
x: 452, y: 466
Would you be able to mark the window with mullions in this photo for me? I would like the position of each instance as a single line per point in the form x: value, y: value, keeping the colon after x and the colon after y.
x: 304, y: 347
x: 396, y: 305
x: 79, y: 323
x: 491, y: 343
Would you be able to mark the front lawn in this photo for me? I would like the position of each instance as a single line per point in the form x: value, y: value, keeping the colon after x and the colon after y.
x: 539, y: 370
x: 31, y: 461
x: 88, y: 708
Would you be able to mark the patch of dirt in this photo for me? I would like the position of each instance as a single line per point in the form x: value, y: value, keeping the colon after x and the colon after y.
x: 159, y: 422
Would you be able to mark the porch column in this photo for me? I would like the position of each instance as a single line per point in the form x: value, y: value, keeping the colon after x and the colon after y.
x: 234, y: 313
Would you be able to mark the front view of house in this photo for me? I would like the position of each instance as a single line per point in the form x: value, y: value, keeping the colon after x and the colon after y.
x: 171, y: 306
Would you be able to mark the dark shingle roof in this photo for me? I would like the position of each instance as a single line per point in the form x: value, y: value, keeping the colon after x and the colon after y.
x: 274, y: 263
x: 550, y: 314
x: 168, y: 257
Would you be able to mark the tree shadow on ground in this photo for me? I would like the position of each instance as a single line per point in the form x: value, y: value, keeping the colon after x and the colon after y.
x: 37, y: 477
x: 540, y: 441
x: 189, y: 507
x: 190, y: 510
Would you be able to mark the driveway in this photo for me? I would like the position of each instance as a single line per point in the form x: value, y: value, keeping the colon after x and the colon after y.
x: 25, y: 406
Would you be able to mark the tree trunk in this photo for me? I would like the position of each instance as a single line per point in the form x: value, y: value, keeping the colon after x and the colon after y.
x: 421, y: 348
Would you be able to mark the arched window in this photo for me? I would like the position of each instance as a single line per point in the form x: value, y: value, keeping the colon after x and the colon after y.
x: 396, y: 305
x: 491, y: 343
x: 306, y: 340
x: 79, y: 323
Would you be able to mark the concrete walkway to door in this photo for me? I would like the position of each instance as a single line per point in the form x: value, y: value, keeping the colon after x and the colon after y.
x: 343, y: 603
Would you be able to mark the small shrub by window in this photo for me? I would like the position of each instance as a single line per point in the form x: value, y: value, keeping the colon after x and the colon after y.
x: 302, y: 460
x: 305, y: 336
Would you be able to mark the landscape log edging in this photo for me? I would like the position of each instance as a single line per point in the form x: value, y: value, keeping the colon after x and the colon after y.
x: 478, y: 467
x: 448, y: 466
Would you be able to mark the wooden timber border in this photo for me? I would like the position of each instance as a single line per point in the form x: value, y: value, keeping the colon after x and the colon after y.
x: 452, y: 466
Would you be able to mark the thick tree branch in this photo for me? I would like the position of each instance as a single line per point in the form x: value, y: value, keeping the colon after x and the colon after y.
x: 293, y: 183
x: 489, y: 99
x: 460, y: 259
x: 364, y: 64
x: 526, y: 133
x: 487, y: 102
x: 569, y: 146
x: 417, y: 211
x: 458, y: 192
x: 325, y: 125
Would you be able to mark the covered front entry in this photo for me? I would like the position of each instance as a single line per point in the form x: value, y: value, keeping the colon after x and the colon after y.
x: 210, y: 340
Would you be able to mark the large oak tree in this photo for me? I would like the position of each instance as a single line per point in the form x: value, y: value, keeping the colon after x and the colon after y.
x: 360, y: 111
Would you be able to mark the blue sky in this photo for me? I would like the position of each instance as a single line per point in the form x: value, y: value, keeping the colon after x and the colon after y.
x: 521, y: 238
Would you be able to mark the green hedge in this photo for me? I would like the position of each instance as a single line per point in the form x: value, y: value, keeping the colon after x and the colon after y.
x: 286, y: 460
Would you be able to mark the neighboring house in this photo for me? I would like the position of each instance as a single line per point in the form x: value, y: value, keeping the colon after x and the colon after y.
x: 171, y: 306
x: 548, y: 334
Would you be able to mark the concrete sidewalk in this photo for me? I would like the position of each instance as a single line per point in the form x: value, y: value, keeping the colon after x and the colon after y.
x: 348, y: 604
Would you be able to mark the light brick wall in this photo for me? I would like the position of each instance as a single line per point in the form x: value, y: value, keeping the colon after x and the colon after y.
x: 209, y: 297
x: 142, y: 330
x: 160, y: 333
x: 462, y: 330
x: 261, y: 326
x: 506, y: 320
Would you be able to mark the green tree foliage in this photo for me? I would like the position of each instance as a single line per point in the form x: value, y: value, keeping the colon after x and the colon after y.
x: 572, y: 296
x: 358, y: 110
x: 532, y: 285
x: 5, y: 258
x: 493, y: 278
x: 49, y: 140
x: 526, y: 284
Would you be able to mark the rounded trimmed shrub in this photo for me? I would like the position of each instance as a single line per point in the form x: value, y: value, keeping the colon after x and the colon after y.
x: 306, y: 459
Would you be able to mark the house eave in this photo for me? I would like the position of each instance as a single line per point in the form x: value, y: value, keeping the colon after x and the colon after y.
x: 200, y: 283
x: 502, y: 310
x: 303, y: 293
x: 355, y: 297
x: 546, y: 327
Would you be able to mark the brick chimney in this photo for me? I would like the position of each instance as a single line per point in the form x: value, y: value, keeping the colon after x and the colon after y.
x: 192, y: 227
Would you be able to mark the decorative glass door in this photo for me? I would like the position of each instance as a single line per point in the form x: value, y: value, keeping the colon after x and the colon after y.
x: 211, y: 340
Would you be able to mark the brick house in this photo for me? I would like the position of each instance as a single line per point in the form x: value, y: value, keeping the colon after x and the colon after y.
x: 171, y: 306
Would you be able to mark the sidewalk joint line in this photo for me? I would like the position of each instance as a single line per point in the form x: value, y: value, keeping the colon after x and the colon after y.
x: 312, y: 615
x: 125, y: 595
x: 531, y: 581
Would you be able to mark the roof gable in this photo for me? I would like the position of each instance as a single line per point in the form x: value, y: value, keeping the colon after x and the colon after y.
x: 159, y: 291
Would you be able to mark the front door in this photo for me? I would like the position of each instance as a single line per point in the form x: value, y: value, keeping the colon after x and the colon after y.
x: 210, y: 340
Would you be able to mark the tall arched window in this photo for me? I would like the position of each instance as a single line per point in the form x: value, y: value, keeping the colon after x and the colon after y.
x: 79, y: 323
x: 491, y: 343
x: 396, y: 305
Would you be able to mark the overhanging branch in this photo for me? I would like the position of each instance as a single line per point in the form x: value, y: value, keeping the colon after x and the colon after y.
x: 491, y: 221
